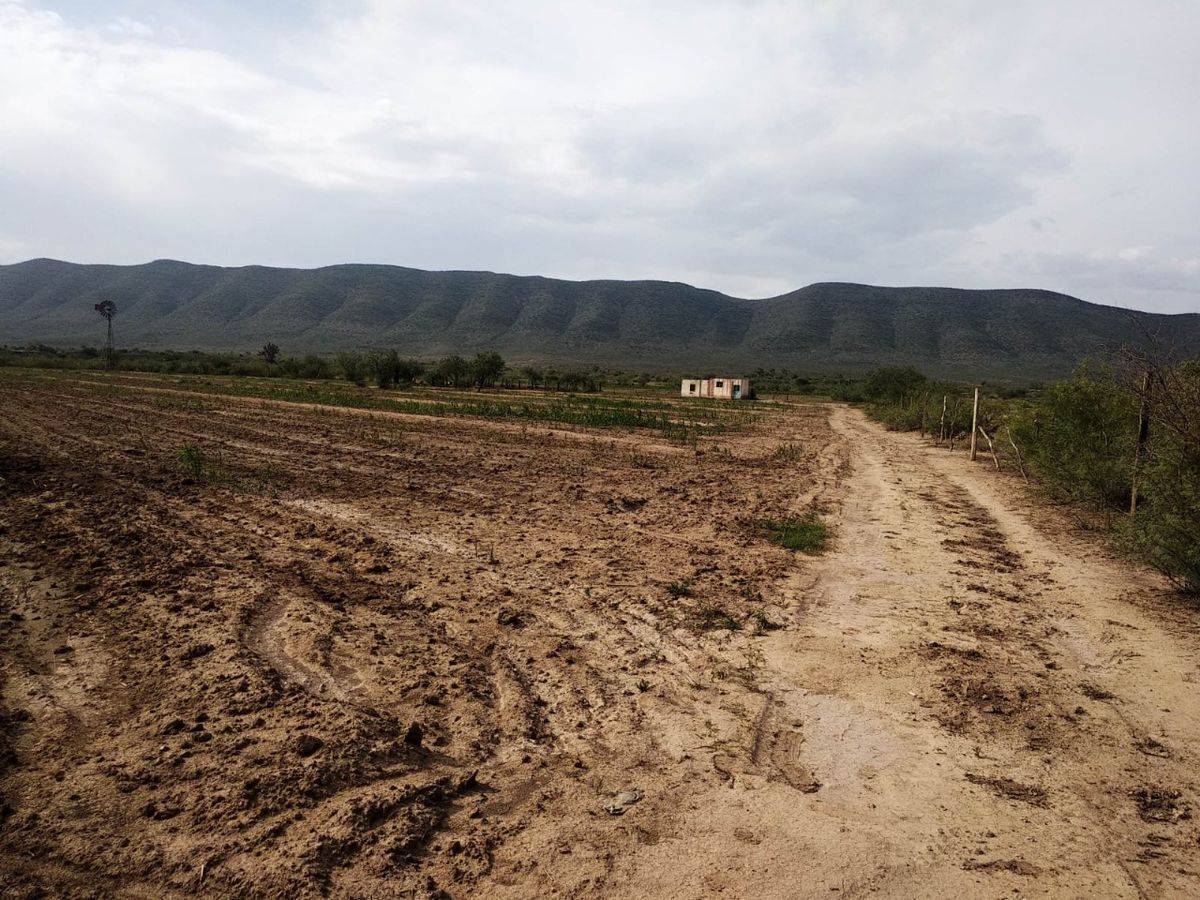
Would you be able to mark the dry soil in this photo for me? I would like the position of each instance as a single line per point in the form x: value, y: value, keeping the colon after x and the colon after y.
x: 369, y: 655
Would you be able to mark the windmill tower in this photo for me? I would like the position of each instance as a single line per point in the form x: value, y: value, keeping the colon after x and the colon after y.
x: 107, y: 310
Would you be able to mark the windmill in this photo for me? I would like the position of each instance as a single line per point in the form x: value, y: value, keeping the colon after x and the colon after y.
x: 107, y: 310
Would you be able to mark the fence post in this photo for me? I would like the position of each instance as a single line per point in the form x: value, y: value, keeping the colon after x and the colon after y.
x: 942, y: 424
x: 1142, y: 435
x: 974, y: 424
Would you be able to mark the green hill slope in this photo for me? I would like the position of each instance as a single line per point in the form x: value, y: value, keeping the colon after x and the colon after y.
x: 643, y: 324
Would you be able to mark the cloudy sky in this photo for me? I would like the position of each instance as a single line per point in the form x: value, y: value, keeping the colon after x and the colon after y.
x: 749, y: 146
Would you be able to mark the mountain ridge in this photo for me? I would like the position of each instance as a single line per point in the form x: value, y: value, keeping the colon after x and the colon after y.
x: 822, y: 327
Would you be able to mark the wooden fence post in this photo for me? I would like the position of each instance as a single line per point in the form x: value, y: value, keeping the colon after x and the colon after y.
x: 1139, y: 447
x: 942, y: 424
x: 974, y: 423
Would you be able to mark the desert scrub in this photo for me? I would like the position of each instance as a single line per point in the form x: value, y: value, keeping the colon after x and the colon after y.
x: 682, y: 588
x: 192, y: 461
x: 712, y: 616
x: 806, y: 533
x: 789, y: 453
x: 760, y: 622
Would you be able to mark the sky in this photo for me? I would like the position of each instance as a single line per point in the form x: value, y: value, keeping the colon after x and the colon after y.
x: 748, y: 146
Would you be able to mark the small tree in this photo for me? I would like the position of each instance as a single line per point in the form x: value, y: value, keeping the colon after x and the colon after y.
x: 486, y: 368
x: 107, y: 310
x: 452, y: 371
x: 409, y: 370
x: 354, y: 367
x: 533, y: 375
x: 384, y: 365
x: 269, y: 353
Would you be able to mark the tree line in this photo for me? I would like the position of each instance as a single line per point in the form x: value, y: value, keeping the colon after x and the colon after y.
x: 383, y: 368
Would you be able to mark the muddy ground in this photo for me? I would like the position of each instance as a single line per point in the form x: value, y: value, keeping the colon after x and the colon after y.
x: 367, y: 655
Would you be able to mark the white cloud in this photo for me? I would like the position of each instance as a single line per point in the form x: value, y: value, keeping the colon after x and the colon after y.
x: 748, y: 146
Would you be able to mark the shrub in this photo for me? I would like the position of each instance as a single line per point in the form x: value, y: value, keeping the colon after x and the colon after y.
x: 1080, y: 436
x: 891, y: 384
x: 806, y: 533
x: 451, y: 371
x: 308, y: 366
x: 353, y: 367
x: 679, y: 589
x: 1166, y: 529
x: 486, y: 369
x: 711, y: 616
x: 192, y: 461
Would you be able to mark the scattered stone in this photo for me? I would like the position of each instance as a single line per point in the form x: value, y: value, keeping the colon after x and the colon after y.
x: 308, y: 744
x: 623, y: 800
x: 195, y: 651
x: 160, y: 814
x: 510, y: 618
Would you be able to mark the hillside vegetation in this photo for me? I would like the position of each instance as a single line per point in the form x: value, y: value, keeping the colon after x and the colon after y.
x: 647, y: 324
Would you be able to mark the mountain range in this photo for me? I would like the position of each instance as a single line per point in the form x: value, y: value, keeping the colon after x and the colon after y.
x: 651, y: 325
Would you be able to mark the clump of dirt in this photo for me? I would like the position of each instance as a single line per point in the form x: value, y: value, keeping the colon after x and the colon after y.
x: 1095, y: 692
x: 1016, y: 866
x: 1013, y: 790
x: 1155, y: 804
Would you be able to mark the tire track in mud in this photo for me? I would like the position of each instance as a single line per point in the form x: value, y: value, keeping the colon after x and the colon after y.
x: 264, y: 636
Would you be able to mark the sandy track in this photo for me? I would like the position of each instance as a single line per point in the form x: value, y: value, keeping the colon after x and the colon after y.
x: 990, y: 705
x: 964, y: 699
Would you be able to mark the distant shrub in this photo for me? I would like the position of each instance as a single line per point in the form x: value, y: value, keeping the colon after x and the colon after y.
x: 409, y: 370
x: 891, y: 384
x: 308, y: 366
x: 353, y: 367
x: 451, y: 371
x: 486, y: 369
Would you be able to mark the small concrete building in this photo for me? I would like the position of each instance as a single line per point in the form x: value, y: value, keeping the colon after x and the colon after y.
x: 717, y: 388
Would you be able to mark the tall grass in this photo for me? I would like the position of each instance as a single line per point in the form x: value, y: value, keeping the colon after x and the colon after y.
x: 806, y: 533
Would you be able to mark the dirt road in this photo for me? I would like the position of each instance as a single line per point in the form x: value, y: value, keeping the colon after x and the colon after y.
x: 990, y: 704
x: 427, y: 659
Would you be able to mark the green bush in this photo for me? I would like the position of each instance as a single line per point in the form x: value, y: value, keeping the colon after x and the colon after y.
x: 193, y: 462
x: 806, y: 533
x: 309, y: 366
x: 1080, y: 435
x: 891, y: 384
x: 353, y: 367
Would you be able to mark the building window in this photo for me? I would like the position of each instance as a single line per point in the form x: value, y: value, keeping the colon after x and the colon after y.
x: 692, y: 388
x: 720, y: 384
